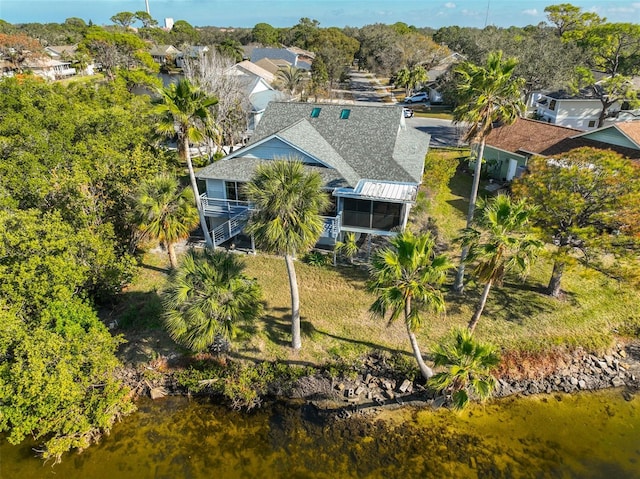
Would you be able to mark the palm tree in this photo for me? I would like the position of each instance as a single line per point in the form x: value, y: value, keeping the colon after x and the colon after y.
x: 500, y: 246
x: 185, y: 110
x: 165, y: 212
x: 470, y: 363
x: 291, y: 77
x: 405, y: 277
x: 409, y: 78
x: 485, y: 95
x: 348, y: 247
x: 208, y: 295
x: 288, y: 203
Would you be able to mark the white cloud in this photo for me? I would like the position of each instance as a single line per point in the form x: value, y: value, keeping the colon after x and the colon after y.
x: 621, y: 10
x: 450, y: 5
x: 531, y: 11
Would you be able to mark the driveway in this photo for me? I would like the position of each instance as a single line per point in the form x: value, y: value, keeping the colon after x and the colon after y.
x: 443, y: 132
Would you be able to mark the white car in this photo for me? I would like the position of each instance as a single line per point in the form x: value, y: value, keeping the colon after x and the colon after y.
x: 417, y: 98
x: 407, y: 112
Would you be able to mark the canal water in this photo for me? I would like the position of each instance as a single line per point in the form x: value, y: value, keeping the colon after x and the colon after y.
x: 589, y: 435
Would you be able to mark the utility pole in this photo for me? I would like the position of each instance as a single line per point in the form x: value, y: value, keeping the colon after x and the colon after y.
x: 146, y: 2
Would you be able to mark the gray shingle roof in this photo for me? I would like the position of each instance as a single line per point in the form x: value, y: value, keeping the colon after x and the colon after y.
x: 372, y: 143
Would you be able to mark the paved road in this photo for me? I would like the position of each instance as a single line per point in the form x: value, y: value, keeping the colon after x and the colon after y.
x: 366, y: 89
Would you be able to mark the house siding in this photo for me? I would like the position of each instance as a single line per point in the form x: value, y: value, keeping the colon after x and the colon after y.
x: 498, y: 162
x: 275, y: 148
x: 571, y: 113
x: 611, y: 136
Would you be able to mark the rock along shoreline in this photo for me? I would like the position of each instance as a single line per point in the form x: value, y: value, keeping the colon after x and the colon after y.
x: 377, y: 385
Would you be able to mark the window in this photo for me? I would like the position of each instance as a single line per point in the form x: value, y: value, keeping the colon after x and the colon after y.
x: 344, y: 114
x: 378, y: 215
x: 235, y: 191
x: 356, y: 213
x: 592, y: 123
x: 552, y: 105
x: 386, y: 216
x: 315, y: 113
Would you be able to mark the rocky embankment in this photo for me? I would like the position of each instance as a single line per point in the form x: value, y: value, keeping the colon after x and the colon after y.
x: 377, y: 384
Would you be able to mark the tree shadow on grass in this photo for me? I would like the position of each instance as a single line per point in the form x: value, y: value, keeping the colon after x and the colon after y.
x: 368, y: 344
x: 461, y: 205
x: 155, y: 268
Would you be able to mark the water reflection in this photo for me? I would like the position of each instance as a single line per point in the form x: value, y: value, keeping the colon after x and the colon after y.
x: 584, y: 436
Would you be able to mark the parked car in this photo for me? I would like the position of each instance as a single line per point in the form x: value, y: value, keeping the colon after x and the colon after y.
x: 417, y: 98
x: 407, y: 112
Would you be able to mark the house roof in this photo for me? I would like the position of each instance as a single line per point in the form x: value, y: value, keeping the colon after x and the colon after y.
x: 526, y: 136
x: 161, y: 50
x: 61, y: 49
x: 256, y: 70
x: 270, y: 66
x: 631, y: 129
x: 373, y: 143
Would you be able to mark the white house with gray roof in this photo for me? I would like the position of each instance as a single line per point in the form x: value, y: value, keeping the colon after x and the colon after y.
x: 370, y: 160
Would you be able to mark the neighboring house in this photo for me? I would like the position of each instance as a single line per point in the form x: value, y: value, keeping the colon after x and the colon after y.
x: 48, y: 68
x: 248, y: 68
x: 509, y: 147
x: 192, y: 51
x: 577, y: 111
x: 573, y: 111
x: 68, y: 53
x: 257, y: 89
x: 370, y: 160
x: 164, y: 53
x: 438, y: 72
x: 295, y: 56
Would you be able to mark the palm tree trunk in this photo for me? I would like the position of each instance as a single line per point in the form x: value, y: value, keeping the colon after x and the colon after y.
x: 172, y: 255
x: 296, y: 341
x: 458, y: 286
x: 483, y: 302
x: 194, y: 184
x: 556, y: 277
x: 425, y: 370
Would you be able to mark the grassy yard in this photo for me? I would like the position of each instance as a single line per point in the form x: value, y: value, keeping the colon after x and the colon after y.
x: 336, y: 323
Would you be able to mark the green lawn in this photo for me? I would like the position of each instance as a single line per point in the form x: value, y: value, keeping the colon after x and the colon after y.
x: 336, y: 323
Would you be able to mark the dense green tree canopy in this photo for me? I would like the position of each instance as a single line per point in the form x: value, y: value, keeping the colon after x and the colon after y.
x: 265, y: 34
x: 588, y: 202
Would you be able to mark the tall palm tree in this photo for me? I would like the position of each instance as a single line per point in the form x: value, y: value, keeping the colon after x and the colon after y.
x: 405, y: 277
x: 470, y: 363
x: 291, y: 77
x: 486, y: 95
x: 165, y: 212
x: 208, y: 295
x: 185, y: 110
x: 500, y: 245
x: 288, y: 203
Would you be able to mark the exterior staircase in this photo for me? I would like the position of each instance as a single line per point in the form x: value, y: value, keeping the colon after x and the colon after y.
x: 231, y: 228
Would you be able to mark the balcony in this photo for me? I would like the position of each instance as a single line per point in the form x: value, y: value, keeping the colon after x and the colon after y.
x: 218, y: 207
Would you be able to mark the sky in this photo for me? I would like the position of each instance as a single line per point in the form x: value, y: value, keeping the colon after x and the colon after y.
x: 340, y: 13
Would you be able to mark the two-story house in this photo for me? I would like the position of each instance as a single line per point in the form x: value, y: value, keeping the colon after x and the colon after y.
x: 371, y: 163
